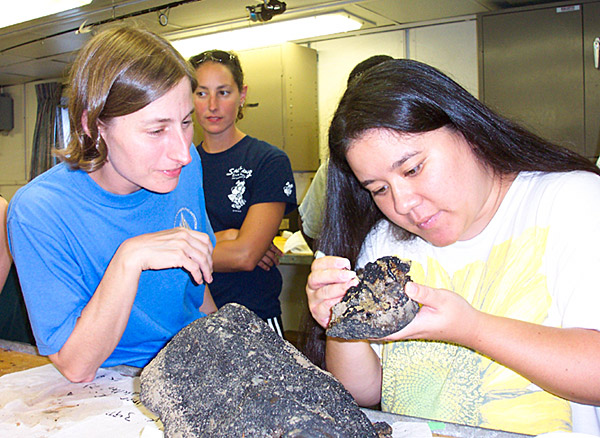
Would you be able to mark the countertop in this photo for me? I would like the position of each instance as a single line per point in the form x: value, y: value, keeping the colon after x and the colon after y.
x: 296, y: 259
x: 15, y: 356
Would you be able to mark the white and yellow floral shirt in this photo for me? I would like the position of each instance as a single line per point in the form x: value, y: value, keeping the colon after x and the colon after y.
x: 536, y: 261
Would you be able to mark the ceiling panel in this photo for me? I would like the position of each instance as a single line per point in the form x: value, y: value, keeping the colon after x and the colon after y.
x: 39, y: 49
x: 409, y: 11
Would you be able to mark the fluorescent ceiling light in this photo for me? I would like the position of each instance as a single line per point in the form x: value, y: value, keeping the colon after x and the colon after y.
x: 269, y: 34
x: 19, y: 11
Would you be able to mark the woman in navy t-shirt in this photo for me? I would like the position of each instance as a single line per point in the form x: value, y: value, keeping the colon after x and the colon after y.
x: 249, y: 187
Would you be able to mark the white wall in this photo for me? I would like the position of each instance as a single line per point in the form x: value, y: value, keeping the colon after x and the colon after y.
x: 336, y: 59
x: 451, y: 47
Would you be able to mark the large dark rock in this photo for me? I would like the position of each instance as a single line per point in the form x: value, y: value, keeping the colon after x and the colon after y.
x: 230, y: 375
x: 377, y: 306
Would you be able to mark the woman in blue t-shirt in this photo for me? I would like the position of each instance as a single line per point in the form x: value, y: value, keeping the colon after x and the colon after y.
x: 113, y: 245
x: 249, y: 187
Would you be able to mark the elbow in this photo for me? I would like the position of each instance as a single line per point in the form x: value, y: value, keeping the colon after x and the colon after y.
x: 74, y: 372
x: 248, y: 264
x: 79, y: 378
x: 247, y: 261
x: 367, y: 400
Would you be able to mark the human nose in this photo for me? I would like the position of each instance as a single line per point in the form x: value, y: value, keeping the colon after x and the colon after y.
x: 212, y: 102
x: 405, y: 199
x: 179, y: 150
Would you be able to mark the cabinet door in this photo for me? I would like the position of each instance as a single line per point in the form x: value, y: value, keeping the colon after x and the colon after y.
x: 533, y: 71
x: 591, y: 31
x: 281, y: 104
x: 263, y: 117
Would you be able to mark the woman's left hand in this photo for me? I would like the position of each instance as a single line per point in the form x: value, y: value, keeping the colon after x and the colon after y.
x: 444, y: 316
x: 271, y: 258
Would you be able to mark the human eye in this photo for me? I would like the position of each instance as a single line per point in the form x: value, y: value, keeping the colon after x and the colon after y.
x: 200, y: 93
x: 414, y: 171
x: 378, y: 191
x: 224, y: 93
x: 155, y: 132
x: 187, y: 122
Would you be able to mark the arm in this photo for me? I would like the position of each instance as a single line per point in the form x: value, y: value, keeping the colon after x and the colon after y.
x: 357, y: 367
x: 353, y: 363
x: 208, y: 304
x: 5, y: 258
x: 310, y: 211
x: 103, y: 320
x: 244, y: 252
x: 561, y: 361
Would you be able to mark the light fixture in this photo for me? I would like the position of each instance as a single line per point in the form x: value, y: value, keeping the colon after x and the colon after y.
x: 24, y: 10
x: 270, y: 34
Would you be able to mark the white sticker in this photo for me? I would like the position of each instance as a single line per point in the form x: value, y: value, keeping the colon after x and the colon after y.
x: 568, y: 9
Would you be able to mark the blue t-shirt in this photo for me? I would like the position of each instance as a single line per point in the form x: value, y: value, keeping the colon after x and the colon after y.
x: 64, y: 230
x: 251, y: 172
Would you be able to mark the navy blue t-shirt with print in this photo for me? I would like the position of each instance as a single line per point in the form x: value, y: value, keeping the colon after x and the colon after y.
x: 251, y: 172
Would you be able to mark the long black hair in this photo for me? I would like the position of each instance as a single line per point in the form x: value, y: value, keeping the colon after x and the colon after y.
x: 408, y: 96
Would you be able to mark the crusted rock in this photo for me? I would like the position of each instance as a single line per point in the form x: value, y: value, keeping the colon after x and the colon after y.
x: 230, y: 375
x: 377, y: 306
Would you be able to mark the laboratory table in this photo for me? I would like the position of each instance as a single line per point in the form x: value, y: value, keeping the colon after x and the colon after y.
x: 16, y: 356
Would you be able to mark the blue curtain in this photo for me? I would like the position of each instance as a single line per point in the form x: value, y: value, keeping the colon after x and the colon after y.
x: 48, y: 132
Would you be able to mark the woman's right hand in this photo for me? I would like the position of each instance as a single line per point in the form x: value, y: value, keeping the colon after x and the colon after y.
x: 329, y: 279
x: 173, y: 248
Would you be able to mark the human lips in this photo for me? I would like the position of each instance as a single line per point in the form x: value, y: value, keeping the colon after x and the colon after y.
x: 213, y: 119
x: 427, y: 223
x: 172, y: 173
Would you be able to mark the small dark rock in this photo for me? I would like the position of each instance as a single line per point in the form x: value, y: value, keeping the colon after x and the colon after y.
x: 383, y: 429
x: 377, y: 306
x: 230, y: 375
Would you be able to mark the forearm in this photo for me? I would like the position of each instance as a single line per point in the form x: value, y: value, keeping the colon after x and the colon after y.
x: 101, y: 325
x: 235, y: 256
x: 561, y: 361
x: 5, y: 258
x: 357, y: 367
x: 5, y: 264
x: 251, y: 242
x: 208, y: 305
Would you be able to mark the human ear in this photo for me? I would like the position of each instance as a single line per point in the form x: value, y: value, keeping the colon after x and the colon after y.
x: 86, y: 128
x: 84, y: 123
x: 243, y: 92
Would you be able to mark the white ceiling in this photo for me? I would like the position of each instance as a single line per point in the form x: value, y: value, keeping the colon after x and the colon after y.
x: 44, y: 48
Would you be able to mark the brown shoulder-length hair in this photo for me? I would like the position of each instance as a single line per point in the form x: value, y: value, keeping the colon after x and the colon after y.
x: 118, y: 72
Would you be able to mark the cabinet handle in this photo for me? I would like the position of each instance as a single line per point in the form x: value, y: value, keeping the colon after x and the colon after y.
x: 597, y: 52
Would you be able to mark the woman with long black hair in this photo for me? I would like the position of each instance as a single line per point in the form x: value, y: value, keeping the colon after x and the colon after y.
x: 502, y: 229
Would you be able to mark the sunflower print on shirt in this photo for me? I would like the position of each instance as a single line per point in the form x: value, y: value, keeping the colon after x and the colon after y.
x: 451, y: 383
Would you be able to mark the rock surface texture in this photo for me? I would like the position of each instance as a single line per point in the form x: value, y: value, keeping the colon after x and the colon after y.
x: 377, y: 306
x: 230, y: 375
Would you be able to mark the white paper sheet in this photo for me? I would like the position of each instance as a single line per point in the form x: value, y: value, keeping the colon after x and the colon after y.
x: 40, y: 402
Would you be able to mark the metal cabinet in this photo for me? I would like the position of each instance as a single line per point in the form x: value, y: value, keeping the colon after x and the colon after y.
x: 537, y: 67
x: 591, y: 72
x: 281, y: 104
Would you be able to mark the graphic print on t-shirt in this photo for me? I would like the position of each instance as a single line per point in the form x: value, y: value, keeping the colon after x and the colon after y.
x: 186, y: 218
x: 288, y: 189
x: 239, y: 175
